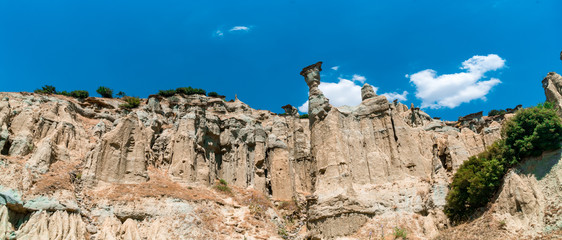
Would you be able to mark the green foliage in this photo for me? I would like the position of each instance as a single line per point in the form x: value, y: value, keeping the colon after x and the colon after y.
x: 167, y: 93
x: 105, y: 92
x: 47, y: 89
x: 303, y: 116
x: 495, y: 112
x: 64, y: 93
x: 121, y: 94
x: 222, y: 186
x: 223, y: 182
x: 400, y: 233
x: 213, y: 94
x: 80, y: 94
x: 475, y: 182
x: 530, y: 132
x: 190, y: 91
x: 131, y: 102
x: 182, y: 90
x: 283, y: 233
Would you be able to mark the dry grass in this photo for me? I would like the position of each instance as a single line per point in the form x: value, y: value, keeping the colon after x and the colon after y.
x: 159, y: 185
x: 483, y: 228
x: 57, y: 178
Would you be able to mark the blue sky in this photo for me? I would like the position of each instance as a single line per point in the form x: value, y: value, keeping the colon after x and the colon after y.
x: 447, y: 55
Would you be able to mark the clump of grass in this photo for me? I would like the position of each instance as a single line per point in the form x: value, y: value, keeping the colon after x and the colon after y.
x: 131, y: 102
x: 502, y: 224
x: 400, y: 233
x: 283, y: 233
x: 222, y: 186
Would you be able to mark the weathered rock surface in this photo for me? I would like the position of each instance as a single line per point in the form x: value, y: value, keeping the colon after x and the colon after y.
x: 94, y: 171
x: 380, y: 159
x: 552, y: 85
x: 529, y: 201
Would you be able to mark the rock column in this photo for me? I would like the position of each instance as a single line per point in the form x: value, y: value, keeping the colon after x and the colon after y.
x: 318, y: 104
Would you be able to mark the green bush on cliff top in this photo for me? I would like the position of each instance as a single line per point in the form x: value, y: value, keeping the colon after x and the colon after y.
x: 105, y: 92
x: 131, y: 102
x: 530, y: 132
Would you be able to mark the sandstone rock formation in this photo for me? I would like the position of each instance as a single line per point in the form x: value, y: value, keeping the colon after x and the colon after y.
x: 552, y: 85
x: 88, y: 169
x: 379, y: 162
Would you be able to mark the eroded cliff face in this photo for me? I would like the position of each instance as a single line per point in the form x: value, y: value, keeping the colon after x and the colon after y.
x: 96, y: 171
x: 62, y: 156
x: 382, y: 163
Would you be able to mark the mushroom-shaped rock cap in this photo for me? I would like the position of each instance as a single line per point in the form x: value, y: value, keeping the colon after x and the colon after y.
x: 367, y: 92
x: 317, y: 66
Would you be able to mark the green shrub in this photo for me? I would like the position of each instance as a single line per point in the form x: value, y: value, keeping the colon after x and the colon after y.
x: 303, y: 116
x: 222, y: 186
x: 530, y: 132
x: 213, y: 94
x: 190, y: 91
x: 47, y: 89
x: 64, y: 93
x: 475, y: 182
x: 131, y: 102
x: 283, y: 232
x: 495, y: 112
x: 121, y: 94
x: 81, y: 94
x: 400, y: 233
x: 167, y: 93
x: 105, y: 92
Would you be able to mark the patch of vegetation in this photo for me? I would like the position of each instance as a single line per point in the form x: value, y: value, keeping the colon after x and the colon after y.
x: 182, y: 90
x: 121, y: 94
x: 222, y: 186
x: 530, y: 132
x: 80, y: 94
x: 47, y: 89
x: 283, y: 233
x: 256, y: 209
x: 213, y: 94
x: 105, y: 92
x: 190, y: 91
x: 167, y: 93
x: 303, y: 116
x: 400, y: 233
x: 495, y: 112
x: 131, y: 102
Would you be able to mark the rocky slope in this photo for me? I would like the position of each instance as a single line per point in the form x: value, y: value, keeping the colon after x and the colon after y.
x: 89, y: 169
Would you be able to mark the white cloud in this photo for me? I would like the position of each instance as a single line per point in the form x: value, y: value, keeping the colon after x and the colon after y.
x: 359, y: 78
x: 219, y: 33
x: 304, y: 107
x: 451, y: 90
x: 394, y: 95
x: 335, y: 68
x: 239, y: 28
x: 348, y: 92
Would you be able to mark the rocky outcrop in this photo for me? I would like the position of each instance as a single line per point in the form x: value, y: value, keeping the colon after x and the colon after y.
x: 367, y: 92
x: 378, y: 161
x: 552, y: 85
x: 93, y: 170
x: 57, y: 152
x: 319, y: 105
